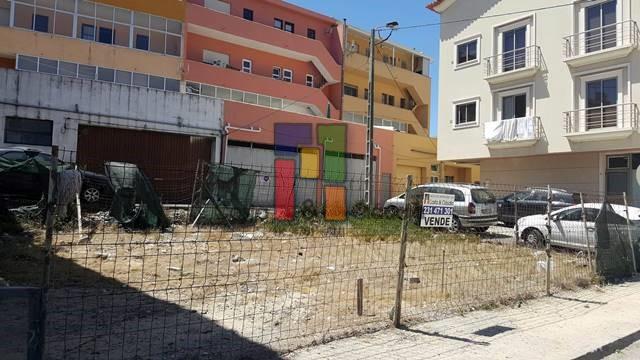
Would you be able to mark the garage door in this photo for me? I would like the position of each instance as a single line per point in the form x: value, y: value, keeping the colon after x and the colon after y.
x: 400, y: 179
x: 169, y: 160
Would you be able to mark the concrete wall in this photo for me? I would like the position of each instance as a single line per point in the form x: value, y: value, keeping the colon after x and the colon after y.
x: 69, y: 102
x: 574, y: 172
x: 552, y: 88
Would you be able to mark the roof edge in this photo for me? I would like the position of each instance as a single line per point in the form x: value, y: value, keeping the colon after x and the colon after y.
x: 439, y: 6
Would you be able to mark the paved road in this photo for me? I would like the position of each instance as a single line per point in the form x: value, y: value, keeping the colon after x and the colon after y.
x: 565, y: 326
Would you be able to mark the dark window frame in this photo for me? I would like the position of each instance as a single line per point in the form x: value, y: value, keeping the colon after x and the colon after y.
x: 37, y: 25
x: 458, y: 121
x: 353, y: 90
x: 467, y: 58
x: 291, y: 25
x: 247, y: 14
x: 278, y: 23
x: 9, y: 120
x: 84, y: 33
x: 311, y: 33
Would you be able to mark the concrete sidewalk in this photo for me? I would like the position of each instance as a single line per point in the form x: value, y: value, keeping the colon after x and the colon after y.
x: 568, y: 325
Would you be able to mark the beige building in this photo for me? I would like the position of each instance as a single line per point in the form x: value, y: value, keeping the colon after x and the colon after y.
x: 541, y: 92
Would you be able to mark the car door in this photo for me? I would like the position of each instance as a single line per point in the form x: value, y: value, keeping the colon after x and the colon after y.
x: 536, y: 203
x: 567, y: 229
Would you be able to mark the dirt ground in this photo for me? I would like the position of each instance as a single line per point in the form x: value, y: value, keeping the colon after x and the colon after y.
x: 214, y: 293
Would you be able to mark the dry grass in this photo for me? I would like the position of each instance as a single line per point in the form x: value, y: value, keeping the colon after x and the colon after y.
x: 281, y: 289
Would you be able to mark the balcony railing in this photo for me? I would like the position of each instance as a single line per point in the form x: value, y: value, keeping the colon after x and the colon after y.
x: 612, y: 36
x: 523, y: 58
x: 525, y: 129
x: 619, y: 116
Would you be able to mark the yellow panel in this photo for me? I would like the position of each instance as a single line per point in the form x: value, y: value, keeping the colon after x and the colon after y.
x: 310, y: 163
x: 336, y: 207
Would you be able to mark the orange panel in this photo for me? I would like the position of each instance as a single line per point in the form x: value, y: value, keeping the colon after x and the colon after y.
x: 172, y: 9
x: 336, y: 203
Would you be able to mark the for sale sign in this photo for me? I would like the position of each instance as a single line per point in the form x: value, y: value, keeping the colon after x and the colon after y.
x: 437, y: 210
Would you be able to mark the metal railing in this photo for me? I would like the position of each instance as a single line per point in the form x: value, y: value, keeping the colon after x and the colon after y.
x: 521, y: 58
x: 624, y: 116
x: 620, y: 34
x: 513, y: 130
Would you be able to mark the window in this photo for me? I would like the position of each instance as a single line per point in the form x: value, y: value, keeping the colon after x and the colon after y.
x: 466, y: 114
x: 350, y: 90
x: 105, y: 35
x: 278, y: 23
x: 247, y: 14
x: 246, y: 66
x: 311, y: 33
x: 106, y: 74
x: 514, y: 106
x: 448, y: 179
x: 41, y: 23
x: 88, y: 32
x: 435, y: 179
x: 87, y: 72
x: 618, y: 162
x: 156, y: 82
x: 601, y: 103
x: 287, y: 75
x: 123, y: 77
x: 388, y: 99
x: 467, y: 52
x: 571, y: 215
x: 514, y: 43
x: 309, y: 80
x: 600, y: 26
x: 403, y: 103
x: 172, y: 85
x: 276, y: 73
x: 289, y: 27
x: 142, y: 42
x: 67, y: 69
x: 28, y: 131
x: 140, y: 80
x: 48, y: 66
x: 366, y: 94
x: 435, y: 168
x: 5, y: 12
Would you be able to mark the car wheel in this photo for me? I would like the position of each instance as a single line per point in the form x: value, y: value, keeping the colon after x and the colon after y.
x: 391, y: 211
x: 456, y: 226
x: 533, y: 238
x: 91, y: 195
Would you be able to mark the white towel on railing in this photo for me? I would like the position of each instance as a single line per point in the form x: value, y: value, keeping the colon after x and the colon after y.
x: 510, y: 130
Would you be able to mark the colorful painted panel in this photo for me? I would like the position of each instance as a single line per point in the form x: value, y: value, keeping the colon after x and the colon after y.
x: 288, y: 137
x: 310, y: 163
x: 336, y: 203
x: 284, y: 189
x: 334, y: 140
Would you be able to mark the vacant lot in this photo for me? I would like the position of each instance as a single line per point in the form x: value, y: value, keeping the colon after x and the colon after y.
x: 212, y: 292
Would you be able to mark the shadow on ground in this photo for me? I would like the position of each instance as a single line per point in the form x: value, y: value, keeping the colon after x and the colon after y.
x: 93, y: 316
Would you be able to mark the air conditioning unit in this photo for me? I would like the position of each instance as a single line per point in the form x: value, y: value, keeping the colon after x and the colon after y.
x: 353, y: 47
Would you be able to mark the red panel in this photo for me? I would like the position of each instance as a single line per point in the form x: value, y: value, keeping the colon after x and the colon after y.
x: 285, y: 181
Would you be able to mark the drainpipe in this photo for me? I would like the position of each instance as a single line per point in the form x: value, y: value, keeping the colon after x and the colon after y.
x: 344, y: 58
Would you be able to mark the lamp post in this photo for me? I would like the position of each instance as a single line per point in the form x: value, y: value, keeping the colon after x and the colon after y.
x: 368, y: 192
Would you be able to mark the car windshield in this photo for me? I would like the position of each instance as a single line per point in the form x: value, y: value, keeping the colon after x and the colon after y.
x: 482, y: 196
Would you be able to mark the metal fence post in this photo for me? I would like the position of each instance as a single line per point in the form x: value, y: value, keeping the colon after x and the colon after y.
x: 548, y: 242
x: 633, y: 253
x: 515, y: 213
x: 52, y: 201
x: 403, y: 252
x: 586, y: 231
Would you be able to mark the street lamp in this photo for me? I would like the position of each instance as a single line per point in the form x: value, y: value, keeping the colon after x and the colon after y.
x: 391, y: 26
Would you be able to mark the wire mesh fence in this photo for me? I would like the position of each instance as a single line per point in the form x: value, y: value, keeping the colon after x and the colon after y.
x: 233, y: 261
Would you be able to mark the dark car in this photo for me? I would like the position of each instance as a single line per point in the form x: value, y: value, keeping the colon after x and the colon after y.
x: 18, y: 185
x: 531, y: 201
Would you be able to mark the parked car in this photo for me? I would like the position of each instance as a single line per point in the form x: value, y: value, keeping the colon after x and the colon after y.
x: 474, y: 206
x: 568, y: 228
x: 532, y: 201
x: 27, y: 186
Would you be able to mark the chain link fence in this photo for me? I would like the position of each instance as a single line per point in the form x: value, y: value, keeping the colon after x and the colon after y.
x: 253, y: 262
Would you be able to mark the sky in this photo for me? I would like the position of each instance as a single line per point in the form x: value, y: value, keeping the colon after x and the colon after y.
x: 366, y: 14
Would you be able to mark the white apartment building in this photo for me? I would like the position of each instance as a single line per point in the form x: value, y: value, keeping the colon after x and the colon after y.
x: 542, y: 92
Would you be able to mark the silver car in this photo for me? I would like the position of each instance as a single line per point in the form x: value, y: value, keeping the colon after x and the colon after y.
x: 474, y: 207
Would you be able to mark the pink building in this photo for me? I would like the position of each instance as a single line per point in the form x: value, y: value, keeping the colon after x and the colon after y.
x: 279, y: 69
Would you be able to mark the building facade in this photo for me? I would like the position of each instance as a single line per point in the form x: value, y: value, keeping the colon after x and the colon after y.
x: 102, y: 81
x: 542, y: 96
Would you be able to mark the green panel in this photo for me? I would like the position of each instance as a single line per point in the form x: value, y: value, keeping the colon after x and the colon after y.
x: 333, y: 138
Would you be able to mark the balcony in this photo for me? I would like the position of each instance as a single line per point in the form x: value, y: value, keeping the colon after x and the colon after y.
x: 610, y: 42
x: 416, y: 83
x: 513, y: 133
x: 612, y: 122
x: 294, y: 96
x: 238, y: 31
x: 519, y: 64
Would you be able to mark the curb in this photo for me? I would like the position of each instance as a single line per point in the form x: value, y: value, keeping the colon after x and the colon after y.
x: 611, y: 347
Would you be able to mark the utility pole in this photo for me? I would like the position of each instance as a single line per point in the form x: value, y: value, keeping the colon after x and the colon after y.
x: 369, y: 156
